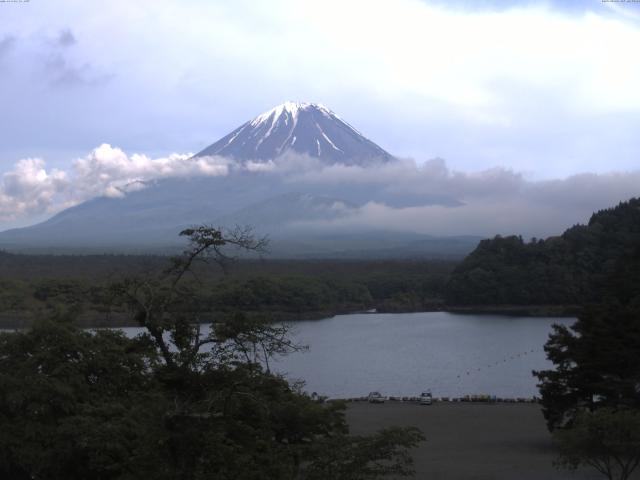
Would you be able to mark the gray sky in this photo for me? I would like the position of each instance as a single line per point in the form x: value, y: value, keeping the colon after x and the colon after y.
x: 543, y: 89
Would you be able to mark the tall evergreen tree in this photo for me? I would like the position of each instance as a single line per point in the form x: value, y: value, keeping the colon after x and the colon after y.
x: 597, y: 360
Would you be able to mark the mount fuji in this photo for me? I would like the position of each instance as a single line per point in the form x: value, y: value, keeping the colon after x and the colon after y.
x: 297, y: 218
x: 306, y: 128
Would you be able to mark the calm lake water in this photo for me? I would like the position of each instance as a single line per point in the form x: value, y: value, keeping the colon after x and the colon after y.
x: 404, y: 354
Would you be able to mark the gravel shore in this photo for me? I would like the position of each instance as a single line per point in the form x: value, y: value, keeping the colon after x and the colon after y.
x: 471, y: 440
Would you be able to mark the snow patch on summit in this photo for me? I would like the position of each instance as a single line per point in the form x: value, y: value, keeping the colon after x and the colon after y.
x: 288, y: 110
x: 306, y: 128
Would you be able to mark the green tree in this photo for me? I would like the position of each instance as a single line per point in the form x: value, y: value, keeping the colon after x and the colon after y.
x: 591, y: 400
x: 597, y: 359
x: 352, y: 457
x: 570, y: 269
x: 174, y: 403
x: 607, y: 440
x: 596, y: 364
x: 75, y: 404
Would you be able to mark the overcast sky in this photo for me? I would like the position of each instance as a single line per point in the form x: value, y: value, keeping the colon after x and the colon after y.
x: 543, y: 89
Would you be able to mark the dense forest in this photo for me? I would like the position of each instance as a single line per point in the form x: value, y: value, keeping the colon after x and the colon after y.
x: 557, y: 274
x: 32, y: 285
x: 566, y: 270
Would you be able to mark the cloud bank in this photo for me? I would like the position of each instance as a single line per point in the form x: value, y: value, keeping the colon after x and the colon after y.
x: 30, y: 189
x: 492, y: 201
x: 487, y: 202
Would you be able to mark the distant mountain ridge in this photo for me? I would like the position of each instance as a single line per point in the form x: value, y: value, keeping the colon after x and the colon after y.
x: 306, y: 128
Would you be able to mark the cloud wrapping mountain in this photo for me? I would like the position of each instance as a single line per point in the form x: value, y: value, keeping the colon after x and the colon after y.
x: 493, y: 201
x: 293, y: 171
x: 30, y: 188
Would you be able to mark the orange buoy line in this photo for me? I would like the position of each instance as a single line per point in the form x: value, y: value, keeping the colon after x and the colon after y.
x: 506, y: 359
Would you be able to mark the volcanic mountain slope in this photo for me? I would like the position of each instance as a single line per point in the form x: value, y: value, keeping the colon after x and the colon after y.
x: 297, y: 217
x: 306, y: 128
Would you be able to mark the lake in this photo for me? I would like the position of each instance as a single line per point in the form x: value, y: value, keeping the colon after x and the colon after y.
x: 403, y: 354
x: 406, y: 353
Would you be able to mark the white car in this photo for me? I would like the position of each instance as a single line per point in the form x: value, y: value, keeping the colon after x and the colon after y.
x: 375, y: 397
x: 426, y: 398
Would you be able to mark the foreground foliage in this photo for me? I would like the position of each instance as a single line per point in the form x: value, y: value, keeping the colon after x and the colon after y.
x: 591, y: 400
x: 606, y: 440
x: 174, y: 403
x: 597, y: 360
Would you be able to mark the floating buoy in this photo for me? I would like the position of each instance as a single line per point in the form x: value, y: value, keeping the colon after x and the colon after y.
x: 504, y: 360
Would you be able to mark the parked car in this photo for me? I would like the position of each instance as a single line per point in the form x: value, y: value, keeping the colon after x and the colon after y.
x: 375, y: 397
x: 426, y: 398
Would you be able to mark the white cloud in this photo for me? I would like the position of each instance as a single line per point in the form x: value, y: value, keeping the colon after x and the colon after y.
x: 533, y: 88
x: 496, y: 200
x: 30, y: 189
x: 486, y: 217
x: 252, y: 166
x: 107, y: 168
x: 492, y: 201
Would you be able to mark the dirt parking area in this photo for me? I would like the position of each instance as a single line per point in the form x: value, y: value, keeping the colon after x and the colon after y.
x: 471, y: 441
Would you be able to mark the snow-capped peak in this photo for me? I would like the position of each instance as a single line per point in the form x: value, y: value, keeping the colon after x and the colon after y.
x: 290, y: 108
x: 307, y: 128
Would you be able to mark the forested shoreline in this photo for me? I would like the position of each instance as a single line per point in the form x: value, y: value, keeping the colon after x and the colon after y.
x: 571, y: 269
x: 35, y: 286
x: 504, y: 275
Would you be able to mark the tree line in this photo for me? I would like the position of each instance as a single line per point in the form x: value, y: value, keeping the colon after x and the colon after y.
x: 32, y: 286
x: 570, y: 269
